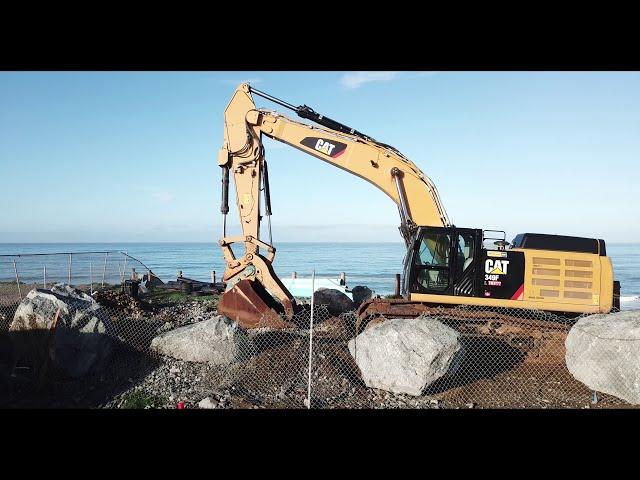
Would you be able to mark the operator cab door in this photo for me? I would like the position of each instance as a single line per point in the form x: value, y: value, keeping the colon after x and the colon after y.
x: 445, y: 260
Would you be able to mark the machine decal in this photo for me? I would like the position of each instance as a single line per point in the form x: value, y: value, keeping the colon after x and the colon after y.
x: 496, y: 267
x: 503, y: 277
x: 331, y: 148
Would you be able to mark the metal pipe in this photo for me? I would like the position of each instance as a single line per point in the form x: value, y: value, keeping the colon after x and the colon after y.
x: 313, y: 278
x: 124, y: 268
x: 404, y: 210
x: 271, y: 98
x: 267, y: 198
x: 15, y: 269
x: 104, y: 267
x: 224, y: 207
x: 265, y: 183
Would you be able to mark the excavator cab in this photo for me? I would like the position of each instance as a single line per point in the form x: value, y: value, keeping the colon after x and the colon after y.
x: 443, y: 261
x: 456, y: 262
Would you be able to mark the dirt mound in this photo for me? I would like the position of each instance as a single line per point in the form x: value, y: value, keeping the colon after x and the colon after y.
x: 122, y: 302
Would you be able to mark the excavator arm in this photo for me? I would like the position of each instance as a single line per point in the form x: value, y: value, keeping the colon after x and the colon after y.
x: 243, y: 157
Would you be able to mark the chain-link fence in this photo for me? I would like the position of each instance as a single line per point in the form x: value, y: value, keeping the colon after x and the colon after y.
x: 88, y: 343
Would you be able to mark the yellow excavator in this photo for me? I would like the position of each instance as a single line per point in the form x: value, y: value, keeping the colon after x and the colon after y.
x: 444, y: 264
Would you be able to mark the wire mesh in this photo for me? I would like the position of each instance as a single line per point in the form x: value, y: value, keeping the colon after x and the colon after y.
x: 111, y: 350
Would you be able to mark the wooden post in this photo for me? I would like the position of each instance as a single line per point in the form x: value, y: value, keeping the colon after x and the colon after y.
x: 45, y: 277
x: 179, y: 273
x: 213, y: 276
x: 69, y: 269
x: 343, y: 278
x: 294, y: 275
x: 134, y: 275
x: 397, y: 292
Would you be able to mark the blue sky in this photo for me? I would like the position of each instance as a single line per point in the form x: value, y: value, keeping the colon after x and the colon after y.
x: 131, y: 156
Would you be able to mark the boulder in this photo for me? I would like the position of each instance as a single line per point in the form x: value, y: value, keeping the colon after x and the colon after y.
x: 82, y: 341
x: 361, y: 294
x: 207, y: 403
x: 405, y: 355
x: 151, y: 281
x: 216, y: 341
x: 335, y: 300
x: 603, y: 352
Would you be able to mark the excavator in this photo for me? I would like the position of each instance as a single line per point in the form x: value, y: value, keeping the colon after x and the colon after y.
x: 445, y: 265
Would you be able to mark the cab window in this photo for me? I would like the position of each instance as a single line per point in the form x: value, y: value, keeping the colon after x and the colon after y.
x: 432, y: 262
x: 434, y: 250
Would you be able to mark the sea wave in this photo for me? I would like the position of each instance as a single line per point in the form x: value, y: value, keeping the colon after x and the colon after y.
x: 630, y: 302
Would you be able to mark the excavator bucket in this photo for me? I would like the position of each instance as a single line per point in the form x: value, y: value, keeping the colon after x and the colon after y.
x: 249, y: 304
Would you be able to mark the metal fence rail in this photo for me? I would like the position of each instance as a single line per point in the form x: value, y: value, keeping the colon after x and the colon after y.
x: 87, y: 270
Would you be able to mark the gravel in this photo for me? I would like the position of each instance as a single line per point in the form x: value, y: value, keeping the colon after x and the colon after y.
x: 276, y: 377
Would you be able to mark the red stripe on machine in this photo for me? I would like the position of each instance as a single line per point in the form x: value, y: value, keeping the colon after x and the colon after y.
x: 519, y: 293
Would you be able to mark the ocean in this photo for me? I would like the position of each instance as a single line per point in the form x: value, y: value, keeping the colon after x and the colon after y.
x: 370, y: 264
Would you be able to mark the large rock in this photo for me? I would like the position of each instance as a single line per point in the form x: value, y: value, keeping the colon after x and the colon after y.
x: 603, y: 352
x: 405, y: 355
x: 361, y: 294
x: 335, y: 300
x: 82, y: 340
x: 217, y: 341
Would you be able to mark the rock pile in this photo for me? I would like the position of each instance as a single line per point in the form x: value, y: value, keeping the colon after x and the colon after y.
x: 122, y: 302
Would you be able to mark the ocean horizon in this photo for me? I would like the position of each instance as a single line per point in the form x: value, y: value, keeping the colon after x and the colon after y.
x: 373, y: 264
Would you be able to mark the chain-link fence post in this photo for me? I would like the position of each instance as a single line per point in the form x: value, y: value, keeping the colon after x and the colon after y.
x: 15, y: 269
x: 313, y: 278
x: 104, y: 268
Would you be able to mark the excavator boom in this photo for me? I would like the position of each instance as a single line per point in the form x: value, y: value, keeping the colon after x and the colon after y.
x: 242, y: 157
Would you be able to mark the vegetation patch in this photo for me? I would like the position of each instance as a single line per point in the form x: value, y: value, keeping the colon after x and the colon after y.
x: 160, y: 296
x: 138, y: 399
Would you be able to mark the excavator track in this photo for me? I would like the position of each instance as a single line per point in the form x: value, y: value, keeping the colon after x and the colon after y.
x: 540, y: 340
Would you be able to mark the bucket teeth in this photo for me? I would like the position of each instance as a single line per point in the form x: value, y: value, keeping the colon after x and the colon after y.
x: 249, y: 304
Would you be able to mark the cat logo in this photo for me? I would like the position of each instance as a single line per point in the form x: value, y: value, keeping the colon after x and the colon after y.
x: 324, y: 146
x: 331, y: 148
x: 496, y: 267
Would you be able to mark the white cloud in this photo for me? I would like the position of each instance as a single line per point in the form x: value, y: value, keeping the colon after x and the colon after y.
x: 163, y: 197
x: 353, y: 80
x: 357, y: 79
